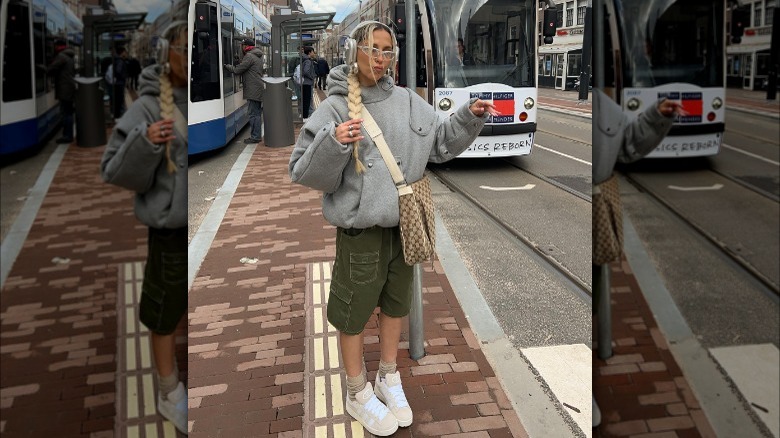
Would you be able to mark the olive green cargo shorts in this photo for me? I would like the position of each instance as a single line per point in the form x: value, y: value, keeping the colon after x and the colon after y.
x: 164, y: 290
x: 369, y: 271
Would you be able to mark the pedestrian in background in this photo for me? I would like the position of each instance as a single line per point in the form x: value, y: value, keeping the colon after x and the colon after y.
x: 63, y: 68
x: 119, y: 75
x: 251, y: 67
x: 322, y: 73
x: 361, y: 200
x: 308, y: 74
x: 294, y: 63
x: 147, y: 153
x: 133, y: 71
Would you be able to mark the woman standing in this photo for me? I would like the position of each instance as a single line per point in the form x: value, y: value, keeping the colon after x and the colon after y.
x: 361, y: 200
x: 147, y: 153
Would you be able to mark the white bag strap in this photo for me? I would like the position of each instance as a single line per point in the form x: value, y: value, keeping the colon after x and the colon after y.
x: 376, y: 134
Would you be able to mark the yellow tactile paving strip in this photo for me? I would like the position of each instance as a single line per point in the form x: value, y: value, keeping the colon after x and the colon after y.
x: 136, y: 387
x: 325, y: 384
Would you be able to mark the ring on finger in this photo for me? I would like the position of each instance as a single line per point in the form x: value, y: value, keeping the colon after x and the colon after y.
x: 349, y: 128
x: 351, y: 134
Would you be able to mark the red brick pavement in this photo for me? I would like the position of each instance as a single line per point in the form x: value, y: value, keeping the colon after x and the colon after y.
x: 641, y: 390
x: 247, y: 334
x: 58, y: 343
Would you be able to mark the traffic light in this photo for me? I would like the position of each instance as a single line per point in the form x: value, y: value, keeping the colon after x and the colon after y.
x: 548, y: 26
x: 399, y: 20
x: 740, y: 19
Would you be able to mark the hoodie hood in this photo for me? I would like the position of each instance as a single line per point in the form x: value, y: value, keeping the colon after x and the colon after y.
x: 256, y: 51
x: 337, y: 85
x: 149, y: 83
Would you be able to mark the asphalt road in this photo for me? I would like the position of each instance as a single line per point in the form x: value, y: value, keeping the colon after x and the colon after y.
x: 691, y: 213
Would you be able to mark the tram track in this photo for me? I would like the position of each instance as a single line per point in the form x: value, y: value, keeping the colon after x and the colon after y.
x: 565, y: 137
x: 769, y: 286
x: 573, y: 282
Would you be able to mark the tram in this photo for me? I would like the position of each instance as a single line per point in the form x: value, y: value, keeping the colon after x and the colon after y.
x: 485, y: 49
x: 217, y: 109
x: 672, y: 49
x: 29, y: 113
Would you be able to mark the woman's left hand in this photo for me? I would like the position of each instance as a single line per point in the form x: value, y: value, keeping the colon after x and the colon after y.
x: 479, y: 108
x: 161, y: 131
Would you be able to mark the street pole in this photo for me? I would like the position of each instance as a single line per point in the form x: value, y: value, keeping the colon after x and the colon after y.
x: 601, y: 272
x: 774, y: 56
x: 585, y: 65
x: 416, y: 329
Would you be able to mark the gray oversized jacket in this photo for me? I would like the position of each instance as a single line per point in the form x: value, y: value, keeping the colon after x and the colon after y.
x: 413, y: 131
x: 251, y: 67
x: 619, y: 137
x: 133, y: 162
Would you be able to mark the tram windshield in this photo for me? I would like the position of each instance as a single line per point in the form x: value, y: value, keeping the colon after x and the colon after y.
x: 673, y: 41
x: 480, y: 41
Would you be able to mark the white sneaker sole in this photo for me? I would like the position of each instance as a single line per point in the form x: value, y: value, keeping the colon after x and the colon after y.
x: 406, y: 423
x: 375, y: 431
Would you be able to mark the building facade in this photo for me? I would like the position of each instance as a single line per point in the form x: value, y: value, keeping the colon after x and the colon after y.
x: 747, y: 62
x: 561, y: 61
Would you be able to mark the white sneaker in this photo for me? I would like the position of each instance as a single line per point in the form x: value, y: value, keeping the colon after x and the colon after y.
x: 174, y: 407
x: 371, y: 413
x: 596, y: 413
x: 391, y: 392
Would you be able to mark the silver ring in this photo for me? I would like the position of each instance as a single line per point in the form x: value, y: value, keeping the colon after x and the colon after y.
x: 351, y: 134
x: 350, y: 128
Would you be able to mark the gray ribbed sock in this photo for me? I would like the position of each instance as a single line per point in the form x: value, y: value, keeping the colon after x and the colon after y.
x: 169, y: 383
x: 356, y: 384
x: 386, y: 368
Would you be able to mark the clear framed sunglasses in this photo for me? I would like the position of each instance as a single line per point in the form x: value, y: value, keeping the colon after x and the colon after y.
x: 374, y: 52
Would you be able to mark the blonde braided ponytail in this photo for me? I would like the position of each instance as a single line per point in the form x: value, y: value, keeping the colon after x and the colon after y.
x: 355, y: 104
x: 166, y: 111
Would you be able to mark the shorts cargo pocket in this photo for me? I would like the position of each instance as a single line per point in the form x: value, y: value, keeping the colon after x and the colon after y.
x: 339, y: 306
x: 174, y: 267
x: 363, y: 267
x: 151, y: 307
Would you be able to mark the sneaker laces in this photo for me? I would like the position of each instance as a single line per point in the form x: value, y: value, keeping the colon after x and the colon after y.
x: 399, y: 397
x: 376, y: 407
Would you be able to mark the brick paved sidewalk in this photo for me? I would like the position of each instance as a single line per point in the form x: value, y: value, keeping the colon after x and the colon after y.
x: 641, y: 390
x: 58, y: 345
x: 263, y: 361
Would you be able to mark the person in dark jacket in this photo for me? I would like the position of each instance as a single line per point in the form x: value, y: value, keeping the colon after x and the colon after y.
x: 133, y: 71
x: 307, y: 80
x: 322, y: 73
x: 147, y: 153
x: 63, y: 68
x: 120, y: 81
x: 251, y: 67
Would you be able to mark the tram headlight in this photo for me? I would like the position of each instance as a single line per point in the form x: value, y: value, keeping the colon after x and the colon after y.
x: 445, y: 104
x: 717, y: 103
x: 633, y: 104
x: 528, y: 103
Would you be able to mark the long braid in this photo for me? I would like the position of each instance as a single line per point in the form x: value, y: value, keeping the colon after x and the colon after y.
x: 166, y: 112
x: 355, y: 104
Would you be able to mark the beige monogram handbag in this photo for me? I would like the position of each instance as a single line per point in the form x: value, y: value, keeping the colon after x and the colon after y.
x: 415, y: 203
x: 607, y: 222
